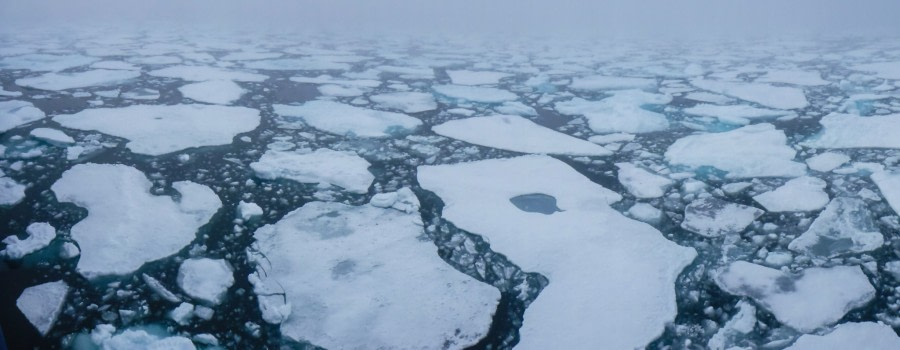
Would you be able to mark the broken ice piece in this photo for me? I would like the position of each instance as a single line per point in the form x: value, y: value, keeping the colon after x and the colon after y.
x: 712, y: 217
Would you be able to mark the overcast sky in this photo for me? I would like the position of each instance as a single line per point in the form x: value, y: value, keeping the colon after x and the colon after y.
x: 649, y: 18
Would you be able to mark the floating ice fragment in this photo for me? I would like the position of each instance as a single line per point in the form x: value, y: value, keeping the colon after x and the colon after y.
x: 221, y: 92
x: 408, y: 102
x: 845, y: 226
x: 341, y: 168
x: 343, y: 119
x: 734, y: 114
x: 712, y: 217
x: 601, y: 82
x: 467, y: 77
x: 850, y: 131
x: 516, y: 134
x: 621, y: 112
x: 11, y: 192
x: 64, y: 81
x: 736, y: 329
x: 40, y: 234
x: 828, y: 161
x: 16, y: 113
x: 642, y: 183
x: 204, y: 73
x: 52, y: 136
x: 780, y: 97
x: 476, y: 94
x: 805, y: 193
x: 45, y: 62
x: 851, y: 335
x: 889, y: 185
x: 41, y: 304
x: 794, y: 77
x: 247, y: 211
x: 206, y: 280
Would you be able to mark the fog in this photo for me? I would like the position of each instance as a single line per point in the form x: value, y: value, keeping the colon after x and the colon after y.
x: 615, y: 18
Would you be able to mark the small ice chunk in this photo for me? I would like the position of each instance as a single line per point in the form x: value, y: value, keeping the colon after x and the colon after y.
x: 64, y: 81
x: 852, y: 131
x: 69, y: 250
x: 711, y: 217
x: 736, y: 187
x: 805, y: 193
x: 515, y: 133
x: 845, y: 226
x: 408, y: 102
x: 247, y: 211
x: 342, y: 119
x: 468, y: 77
x: 15, y: 113
x: 114, y: 65
x: 341, y: 168
x: 828, y: 161
x: 157, y: 287
x: 778, y: 259
x: 889, y: 185
x: 40, y: 234
x: 182, y: 314
x: 220, y: 92
x: 645, y: 212
x: 779, y: 97
x: 11, y: 192
x: 205, y: 279
x: 815, y: 298
x: 642, y: 183
x: 41, y: 304
x: 736, y: 329
x: 52, y: 136
x: 476, y: 94
x: 851, y: 335
x: 757, y: 150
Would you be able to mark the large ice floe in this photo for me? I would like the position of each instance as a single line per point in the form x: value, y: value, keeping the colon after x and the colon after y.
x: 622, y: 112
x: 757, y: 150
x: 582, y: 246
x: 42, y: 304
x: 780, y: 97
x: 352, y: 277
x: 713, y: 217
x: 815, y: 298
x: 851, y: 335
x: 64, y: 81
x: 126, y: 225
x: 845, y: 226
x: 517, y: 134
x: 342, y: 119
x: 851, y: 131
x: 475, y: 93
x: 341, y: 168
x: 160, y: 129
x: 805, y: 193
x: 15, y: 113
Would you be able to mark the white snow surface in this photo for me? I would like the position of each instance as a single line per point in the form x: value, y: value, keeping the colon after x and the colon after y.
x: 621, y: 112
x: 852, y: 131
x: 206, y: 280
x: 220, y: 92
x: 583, y: 248
x: 468, y: 77
x: 845, y: 226
x: 711, y: 217
x: 518, y: 134
x: 41, y: 304
x: 642, y: 183
x: 805, y: 193
x: 757, y: 150
x: 478, y: 94
x: 350, y: 284
x: 779, y: 97
x: 126, y: 225
x: 813, y: 299
x: 407, y: 102
x: 160, y: 129
x: 851, y: 335
x: 341, y: 168
x: 64, y: 81
x: 40, y: 234
x: 15, y: 113
x: 342, y: 119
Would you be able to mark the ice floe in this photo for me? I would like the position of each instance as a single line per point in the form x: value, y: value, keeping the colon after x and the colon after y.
x: 578, y: 308
x: 642, y: 183
x: 408, y: 102
x: 621, y: 112
x: 805, y: 193
x: 41, y: 304
x: 11, y: 192
x: 886, y: 70
x: 247, y: 211
x: 160, y: 129
x: 736, y: 329
x: 601, y: 82
x: 735, y: 114
x: 340, y: 168
x: 851, y: 335
x: 780, y: 97
x: 350, y: 284
x: 851, y: 131
x: 126, y: 225
x: 221, y: 92
x: 138, y: 338
x: 517, y: 134
x: 827, y: 161
x: 15, y: 113
x: 467, y: 77
x: 889, y: 185
x: 713, y: 217
x: 757, y: 150
x: 52, y: 136
x: 302, y: 64
x: 815, y: 298
x: 342, y: 119
x: 794, y: 77
x: 478, y: 94
x: 204, y: 73
x: 45, y: 62
x: 845, y: 226
x: 205, y: 280
x: 40, y: 234
x: 64, y: 81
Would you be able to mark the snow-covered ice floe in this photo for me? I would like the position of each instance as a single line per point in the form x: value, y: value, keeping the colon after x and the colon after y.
x: 42, y: 304
x: 735, y: 114
x: 827, y: 161
x: 340, y: 168
x: 641, y: 182
x: 889, y: 184
x: 712, y: 217
x: 845, y: 226
x: 342, y: 119
x: 514, y: 133
x: 851, y: 335
x: 160, y: 129
x: 779, y: 97
x: 468, y: 77
x: 583, y: 247
x: 757, y: 150
x: 64, y: 81
x: 11, y: 192
x: 477, y: 94
x: 205, y: 279
x: 806, y: 302
x: 206, y: 73
x: 126, y: 225
x: 622, y: 112
x: 45, y: 62
x: 40, y: 234
x: 104, y: 336
x: 221, y: 92
x: 350, y: 284
x: 52, y: 136
x: 603, y: 82
x: 15, y: 113
x: 805, y: 193
x: 851, y: 131
x: 408, y: 102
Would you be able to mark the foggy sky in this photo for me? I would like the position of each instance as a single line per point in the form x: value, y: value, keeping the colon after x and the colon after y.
x: 647, y: 18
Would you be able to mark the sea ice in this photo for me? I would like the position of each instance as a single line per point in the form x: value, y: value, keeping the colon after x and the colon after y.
x: 138, y: 338
x: 52, y: 136
x: 737, y: 328
x: 712, y: 217
x: 583, y: 248
x: 41, y: 304
x: 302, y: 64
x: 204, y: 73
x: 805, y: 193
x: 15, y: 113
x: 514, y: 133
x: 780, y: 97
x: 126, y: 225
x: 40, y: 234
x: 45, y: 62
x: 408, y: 102
x: 160, y: 129
x: 642, y: 183
x: 11, y: 192
x: 757, y: 150
x: 815, y: 298
x: 601, y: 82
x: 828, y: 161
x: 350, y: 284
x: 206, y: 280
x: 889, y: 185
x: 734, y: 114
x: 886, y: 70
x: 341, y: 168
x: 851, y: 335
x: 247, y: 211
x: 342, y: 119
x: 221, y: 92
x: 621, y: 112
x: 467, y: 77
x: 845, y: 226
x: 476, y: 94
x: 794, y: 77
x: 64, y: 81
x: 851, y: 131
